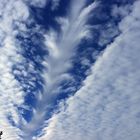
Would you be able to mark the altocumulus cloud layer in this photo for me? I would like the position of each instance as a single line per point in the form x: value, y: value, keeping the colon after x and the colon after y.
x: 69, y: 70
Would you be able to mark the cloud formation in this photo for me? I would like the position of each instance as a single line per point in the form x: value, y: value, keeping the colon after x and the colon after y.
x: 107, y: 106
x: 11, y: 94
x: 61, y: 47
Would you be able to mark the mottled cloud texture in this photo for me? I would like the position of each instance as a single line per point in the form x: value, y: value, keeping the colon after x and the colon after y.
x: 105, y: 107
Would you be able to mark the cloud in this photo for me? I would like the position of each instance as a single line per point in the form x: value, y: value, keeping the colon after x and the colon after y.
x: 13, y: 15
x: 107, y: 106
x: 121, y: 10
x: 61, y: 47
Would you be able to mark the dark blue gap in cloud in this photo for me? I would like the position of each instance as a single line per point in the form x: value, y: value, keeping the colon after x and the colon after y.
x: 45, y: 17
x: 26, y: 114
x: 103, y: 13
x: 33, y: 50
x: 117, y: 2
x: 10, y: 119
x: 85, y: 51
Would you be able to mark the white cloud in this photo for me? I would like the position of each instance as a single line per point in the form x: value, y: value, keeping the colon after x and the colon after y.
x: 13, y: 14
x: 11, y: 94
x: 121, y: 10
x: 37, y: 3
x: 107, y: 106
x: 61, y: 47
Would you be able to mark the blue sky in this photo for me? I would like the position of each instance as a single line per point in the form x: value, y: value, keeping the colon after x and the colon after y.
x: 69, y: 69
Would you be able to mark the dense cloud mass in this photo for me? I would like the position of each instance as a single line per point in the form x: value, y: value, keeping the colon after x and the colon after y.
x: 69, y: 70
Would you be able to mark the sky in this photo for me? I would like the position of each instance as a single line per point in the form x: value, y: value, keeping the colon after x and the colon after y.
x: 70, y: 69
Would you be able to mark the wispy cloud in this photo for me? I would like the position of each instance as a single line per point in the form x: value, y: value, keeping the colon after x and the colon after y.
x: 55, y: 4
x: 13, y: 15
x: 107, y: 106
x: 61, y: 46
